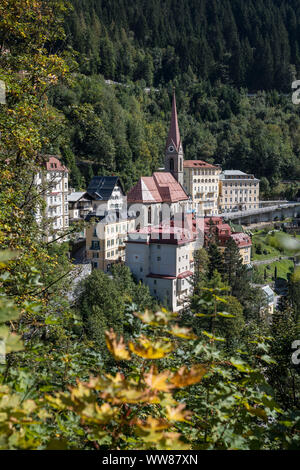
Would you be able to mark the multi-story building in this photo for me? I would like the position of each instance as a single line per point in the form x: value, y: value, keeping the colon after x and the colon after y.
x: 201, y: 182
x: 160, y: 257
x: 216, y: 231
x: 52, y: 183
x: 238, y: 191
x: 106, y: 237
x: 108, y: 222
x: 80, y: 204
x: 106, y: 194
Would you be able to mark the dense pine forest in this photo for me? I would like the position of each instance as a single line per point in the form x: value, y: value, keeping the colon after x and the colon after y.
x: 97, y: 364
x: 250, y: 43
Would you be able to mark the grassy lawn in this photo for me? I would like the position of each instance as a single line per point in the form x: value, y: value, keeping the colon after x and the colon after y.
x: 283, y: 268
x: 260, y: 238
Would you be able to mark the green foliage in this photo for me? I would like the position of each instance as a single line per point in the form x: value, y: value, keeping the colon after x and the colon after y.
x: 250, y: 44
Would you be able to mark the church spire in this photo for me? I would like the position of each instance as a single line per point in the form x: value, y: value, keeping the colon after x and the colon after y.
x: 174, y: 152
x: 174, y: 134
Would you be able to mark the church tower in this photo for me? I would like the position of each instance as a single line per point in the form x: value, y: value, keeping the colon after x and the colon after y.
x: 174, y: 151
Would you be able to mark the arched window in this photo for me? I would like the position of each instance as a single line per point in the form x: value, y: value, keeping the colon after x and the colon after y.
x: 171, y: 164
x: 181, y: 164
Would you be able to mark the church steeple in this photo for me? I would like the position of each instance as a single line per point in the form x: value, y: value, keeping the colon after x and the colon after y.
x: 174, y: 152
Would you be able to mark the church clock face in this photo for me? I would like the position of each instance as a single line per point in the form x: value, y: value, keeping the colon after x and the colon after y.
x: 171, y: 149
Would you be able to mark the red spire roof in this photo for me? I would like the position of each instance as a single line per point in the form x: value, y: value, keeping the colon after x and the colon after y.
x: 174, y: 134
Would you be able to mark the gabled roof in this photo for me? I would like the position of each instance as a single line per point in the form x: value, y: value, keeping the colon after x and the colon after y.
x: 74, y: 197
x: 267, y: 290
x: 101, y: 187
x: 174, y: 134
x: 161, y: 187
x: 52, y: 163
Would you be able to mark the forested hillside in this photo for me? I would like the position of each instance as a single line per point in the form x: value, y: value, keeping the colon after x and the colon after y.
x: 106, y: 368
x: 118, y: 130
x: 248, y: 43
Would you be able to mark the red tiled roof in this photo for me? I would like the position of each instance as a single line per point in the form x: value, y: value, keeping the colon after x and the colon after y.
x: 161, y: 187
x: 53, y: 164
x: 174, y: 134
x: 162, y: 276
x: 198, y: 164
x: 241, y: 239
x: 184, y: 275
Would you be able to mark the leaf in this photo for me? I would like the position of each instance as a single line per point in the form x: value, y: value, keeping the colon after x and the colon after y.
x: 8, y: 311
x: 202, y: 315
x: 259, y: 412
x: 185, y: 377
x: 150, y: 350
x: 5, y: 256
x: 241, y: 365
x: 178, y: 413
x: 267, y: 359
x: 159, y: 318
x: 152, y: 424
x: 226, y: 315
x: 214, y: 338
x: 186, y: 333
x: 158, y: 381
x: 13, y: 343
x: 117, y: 349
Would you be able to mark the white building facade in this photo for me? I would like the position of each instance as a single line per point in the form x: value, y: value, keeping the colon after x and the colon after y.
x: 201, y: 182
x: 160, y: 257
x: 238, y: 191
x: 53, y: 184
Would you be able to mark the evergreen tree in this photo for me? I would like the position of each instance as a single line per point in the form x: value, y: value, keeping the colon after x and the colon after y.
x: 232, y: 262
x: 216, y: 261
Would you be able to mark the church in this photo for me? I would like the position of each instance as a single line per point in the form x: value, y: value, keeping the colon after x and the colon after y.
x: 159, y: 252
x: 158, y: 197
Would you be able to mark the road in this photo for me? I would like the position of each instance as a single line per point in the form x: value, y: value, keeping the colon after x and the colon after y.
x: 81, y: 270
x: 269, y: 261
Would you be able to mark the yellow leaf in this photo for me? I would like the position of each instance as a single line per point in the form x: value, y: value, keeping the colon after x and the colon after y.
x: 158, y: 381
x: 178, y: 413
x: 117, y: 349
x: 186, y: 333
x: 185, y: 377
x: 150, y: 350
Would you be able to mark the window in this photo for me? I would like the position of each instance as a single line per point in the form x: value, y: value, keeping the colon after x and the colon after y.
x: 158, y: 258
x: 95, y: 245
x: 149, y: 215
